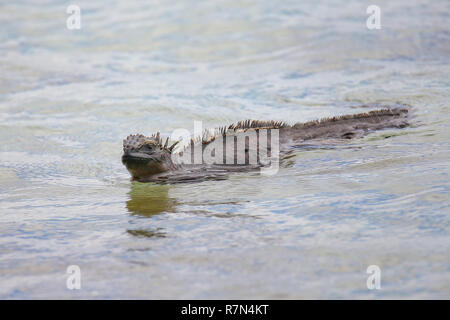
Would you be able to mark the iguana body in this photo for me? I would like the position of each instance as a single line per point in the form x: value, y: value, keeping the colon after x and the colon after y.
x: 148, y: 159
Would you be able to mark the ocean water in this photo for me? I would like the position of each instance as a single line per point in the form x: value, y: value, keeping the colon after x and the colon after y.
x: 69, y: 97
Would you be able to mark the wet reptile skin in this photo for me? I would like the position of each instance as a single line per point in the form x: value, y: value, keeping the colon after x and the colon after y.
x: 148, y: 159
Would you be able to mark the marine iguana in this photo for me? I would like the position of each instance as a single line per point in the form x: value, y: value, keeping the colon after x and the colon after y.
x: 148, y: 159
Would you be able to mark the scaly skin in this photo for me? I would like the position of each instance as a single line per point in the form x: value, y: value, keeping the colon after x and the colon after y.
x: 147, y: 159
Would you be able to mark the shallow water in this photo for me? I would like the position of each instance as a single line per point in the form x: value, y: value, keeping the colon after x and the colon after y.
x: 69, y: 97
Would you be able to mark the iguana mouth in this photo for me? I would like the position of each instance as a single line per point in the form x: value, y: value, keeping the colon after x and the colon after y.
x: 139, y: 156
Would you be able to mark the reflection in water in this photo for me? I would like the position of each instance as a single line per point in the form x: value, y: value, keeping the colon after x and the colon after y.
x: 157, y: 233
x: 149, y: 199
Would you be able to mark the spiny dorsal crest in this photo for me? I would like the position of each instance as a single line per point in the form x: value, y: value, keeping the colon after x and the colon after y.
x: 371, y: 114
x: 210, y: 135
x: 258, y: 124
x: 135, y: 141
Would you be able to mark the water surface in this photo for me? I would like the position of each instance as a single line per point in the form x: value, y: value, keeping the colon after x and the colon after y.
x: 69, y: 97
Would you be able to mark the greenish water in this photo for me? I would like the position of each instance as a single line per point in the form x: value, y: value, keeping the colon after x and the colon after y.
x: 69, y: 97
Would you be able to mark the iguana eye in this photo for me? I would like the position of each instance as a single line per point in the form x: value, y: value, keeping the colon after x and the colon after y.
x: 149, y: 147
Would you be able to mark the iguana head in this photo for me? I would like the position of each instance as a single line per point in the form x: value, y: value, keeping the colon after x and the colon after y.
x: 146, y: 156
